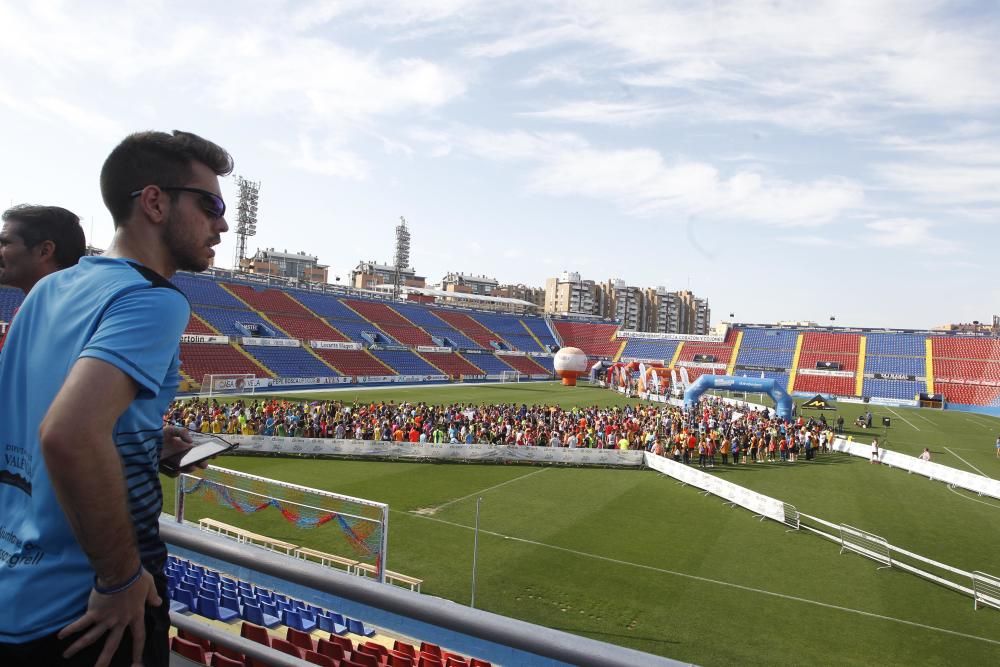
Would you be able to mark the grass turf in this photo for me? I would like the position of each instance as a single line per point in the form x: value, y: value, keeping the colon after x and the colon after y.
x: 628, y: 556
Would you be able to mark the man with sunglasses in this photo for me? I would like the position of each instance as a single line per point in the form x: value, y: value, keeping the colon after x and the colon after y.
x: 89, y: 367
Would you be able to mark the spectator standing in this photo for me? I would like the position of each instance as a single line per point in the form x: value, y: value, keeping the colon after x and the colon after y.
x: 90, y: 366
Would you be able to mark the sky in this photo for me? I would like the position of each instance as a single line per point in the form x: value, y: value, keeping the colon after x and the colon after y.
x: 785, y: 160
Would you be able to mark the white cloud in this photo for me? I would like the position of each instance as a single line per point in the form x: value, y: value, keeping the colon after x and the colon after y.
x: 611, y: 113
x: 809, y: 240
x: 908, y: 233
x: 642, y: 182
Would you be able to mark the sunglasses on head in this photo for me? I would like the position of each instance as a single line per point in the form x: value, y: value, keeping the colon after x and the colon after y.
x: 211, y: 203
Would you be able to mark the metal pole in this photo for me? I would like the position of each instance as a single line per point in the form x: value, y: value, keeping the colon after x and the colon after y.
x: 475, y: 553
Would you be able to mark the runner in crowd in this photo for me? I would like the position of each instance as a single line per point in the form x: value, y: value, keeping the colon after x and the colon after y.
x: 714, y: 427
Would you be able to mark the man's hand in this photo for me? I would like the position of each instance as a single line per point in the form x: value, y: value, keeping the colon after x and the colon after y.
x: 112, y: 614
x: 176, y: 441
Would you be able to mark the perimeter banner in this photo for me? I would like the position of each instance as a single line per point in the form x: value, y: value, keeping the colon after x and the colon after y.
x: 933, y: 471
x: 757, y: 503
x: 443, y: 452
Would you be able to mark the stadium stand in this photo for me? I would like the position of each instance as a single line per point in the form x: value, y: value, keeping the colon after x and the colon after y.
x: 197, y: 326
x: 296, y: 362
x: 405, y: 362
x: 233, y: 322
x: 355, y: 362
x: 10, y: 301
x: 439, y: 330
x: 293, y: 626
x: 451, y: 363
x: 490, y: 364
x: 472, y: 328
x: 539, y: 328
x: 637, y: 348
x: 205, y: 291
x: 391, y: 322
x: 721, y: 352
x: 510, y: 329
x: 596, y: 340
x: 839, y: 348
x: 967, y: 370
x: 898, y: 389
x: 197, y: 361
x: 529, y: 365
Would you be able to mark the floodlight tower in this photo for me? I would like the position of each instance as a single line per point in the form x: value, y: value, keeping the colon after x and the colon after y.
x: 246, y: 216
x: 402, y: 258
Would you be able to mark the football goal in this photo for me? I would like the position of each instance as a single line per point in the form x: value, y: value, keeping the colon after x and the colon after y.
x: 510, y: 376
x: 232, y: 383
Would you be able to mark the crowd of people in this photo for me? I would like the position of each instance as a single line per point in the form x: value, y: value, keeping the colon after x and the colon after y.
x: 715, y: 432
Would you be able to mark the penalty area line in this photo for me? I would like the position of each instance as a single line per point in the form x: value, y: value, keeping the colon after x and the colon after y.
x: 966, y: 462
x: 912, y: 425
x: 728, y: 584
x: 432, y: 510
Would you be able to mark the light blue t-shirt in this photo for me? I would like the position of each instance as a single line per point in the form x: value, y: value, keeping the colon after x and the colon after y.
x: 122, y: 313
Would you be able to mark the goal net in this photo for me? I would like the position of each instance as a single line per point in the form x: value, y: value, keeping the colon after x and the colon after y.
x: 232, y: 383
x: 353, y: 528
x: 510, y: 376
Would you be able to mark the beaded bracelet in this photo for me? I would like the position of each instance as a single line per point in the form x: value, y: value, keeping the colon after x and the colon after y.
x: 113, y: 590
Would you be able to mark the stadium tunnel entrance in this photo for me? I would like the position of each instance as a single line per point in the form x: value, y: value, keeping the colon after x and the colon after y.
x: 782, y: 401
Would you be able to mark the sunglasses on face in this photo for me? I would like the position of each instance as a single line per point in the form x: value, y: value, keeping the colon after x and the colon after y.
x: 210, y: 202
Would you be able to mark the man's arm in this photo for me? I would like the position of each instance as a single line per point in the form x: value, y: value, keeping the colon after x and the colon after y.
x: 87, y: 476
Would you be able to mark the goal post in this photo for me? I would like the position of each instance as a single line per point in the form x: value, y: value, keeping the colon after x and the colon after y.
x: 357, y: 528
x: 510, y: 376
x: 217, y: 384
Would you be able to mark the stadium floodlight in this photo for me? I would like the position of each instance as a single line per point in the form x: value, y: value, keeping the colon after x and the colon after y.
x: 246, y: 216
x: 401, y: 259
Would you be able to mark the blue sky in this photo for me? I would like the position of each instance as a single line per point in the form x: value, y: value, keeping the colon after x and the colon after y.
x: 787, y: 160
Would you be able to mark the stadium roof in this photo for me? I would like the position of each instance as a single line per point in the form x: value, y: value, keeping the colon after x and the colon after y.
x: 482, y: 298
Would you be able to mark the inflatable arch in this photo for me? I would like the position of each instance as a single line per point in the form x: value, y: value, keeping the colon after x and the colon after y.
x: 782, y: 401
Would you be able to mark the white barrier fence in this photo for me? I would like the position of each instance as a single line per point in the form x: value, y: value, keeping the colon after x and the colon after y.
x: 935, y: 471
x: 865, y: 544
x: 437, y: 452
x: 758, y: 503
x: 986, y: 590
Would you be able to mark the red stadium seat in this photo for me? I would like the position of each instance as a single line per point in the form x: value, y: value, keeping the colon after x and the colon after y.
x: 320, y: 659
x: 256, y: 633
x: 403, y: 647
x: 286, y: 647
x: 331, y: 650
x: 301, y: 639
x: 189, y: 650
x: 219, y: 660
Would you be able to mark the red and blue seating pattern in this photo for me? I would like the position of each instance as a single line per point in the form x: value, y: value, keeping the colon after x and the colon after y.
x: 966, y: 368
x: 309, y: 632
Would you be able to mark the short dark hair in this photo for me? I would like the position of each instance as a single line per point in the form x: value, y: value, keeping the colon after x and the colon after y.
x: 50, y: 223
x: 155, y: 158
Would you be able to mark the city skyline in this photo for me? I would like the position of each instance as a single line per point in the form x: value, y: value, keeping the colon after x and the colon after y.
x: 784, y: 161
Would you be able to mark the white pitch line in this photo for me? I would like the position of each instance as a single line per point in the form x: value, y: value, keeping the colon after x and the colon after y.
x: 902, y: 417
x: 916, y: 413
x: 979, y: 424
x: 967, y: 463
x: 951, y: 487
x: 497, y: 486
x: 685, y: 575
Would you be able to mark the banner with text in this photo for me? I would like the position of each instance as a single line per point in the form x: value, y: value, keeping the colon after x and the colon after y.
x: 649, y: 335
x: 211, y: 340
x: 334, y: 345
x: 272, y: 342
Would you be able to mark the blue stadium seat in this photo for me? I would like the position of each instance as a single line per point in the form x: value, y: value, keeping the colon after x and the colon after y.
x: 255, y: 614
x: 405, y: 362
x: 290, y: 361
x: 491, y: 364
x: 208, y: 606
x: 356, y: 627
x: 328, y: 623
x: 298, y: 620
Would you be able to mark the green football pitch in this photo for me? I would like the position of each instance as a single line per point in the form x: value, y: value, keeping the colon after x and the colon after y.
x: 633, y: 558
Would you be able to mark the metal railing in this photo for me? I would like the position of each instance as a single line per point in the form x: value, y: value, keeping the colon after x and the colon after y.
x: 474, y: 623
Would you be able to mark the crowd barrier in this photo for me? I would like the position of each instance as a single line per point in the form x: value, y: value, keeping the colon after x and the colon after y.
x: 436, y: 452
x: 757, y: 503
x: 980, y: 484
